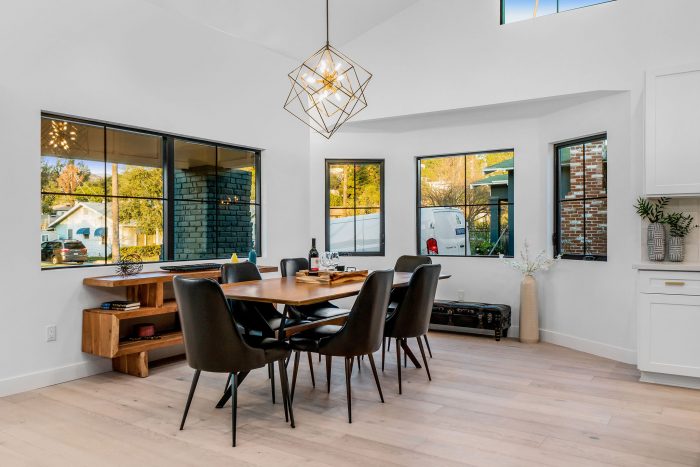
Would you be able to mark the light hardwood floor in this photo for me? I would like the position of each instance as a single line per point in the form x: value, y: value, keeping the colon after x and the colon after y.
x: 489, y: 404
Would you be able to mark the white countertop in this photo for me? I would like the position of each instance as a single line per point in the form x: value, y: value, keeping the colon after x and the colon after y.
x: 667, y: 266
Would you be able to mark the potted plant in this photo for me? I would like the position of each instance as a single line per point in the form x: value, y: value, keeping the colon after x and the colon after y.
x: 679, y: 226
x: 653, y: 211
x: 529, y: 309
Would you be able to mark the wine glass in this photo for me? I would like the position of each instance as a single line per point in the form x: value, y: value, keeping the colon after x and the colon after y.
x: 326, y: 260
x: 335, y: 259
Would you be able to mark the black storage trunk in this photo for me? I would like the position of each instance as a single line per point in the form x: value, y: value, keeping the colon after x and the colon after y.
x: 470, y: 315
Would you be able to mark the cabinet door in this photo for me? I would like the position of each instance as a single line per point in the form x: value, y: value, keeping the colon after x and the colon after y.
x: 668, y: 341
x: 672, y: 136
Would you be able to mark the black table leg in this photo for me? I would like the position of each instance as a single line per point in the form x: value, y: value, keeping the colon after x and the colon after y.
x: 227, y: 393
x: 409, y: 354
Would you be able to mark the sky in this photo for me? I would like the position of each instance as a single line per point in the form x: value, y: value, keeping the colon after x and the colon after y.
x: 517, y: 10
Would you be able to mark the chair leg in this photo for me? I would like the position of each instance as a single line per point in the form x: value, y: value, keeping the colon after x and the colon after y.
x: 398, y: 361
x: 294, y: 373
x: 311, y: 370
x: 319, y: 358
x: 384, y: 351
x: 348, y: 372
x: 195, y: 379
x: 284, y: 382
x: 388, y: 344
x: 328, y: 372
x: 271, y: 368
x: 425, y: 361
x: 376, y: 377
x: 427, y: 344
x: 234, y: 406
x: 405, y: 355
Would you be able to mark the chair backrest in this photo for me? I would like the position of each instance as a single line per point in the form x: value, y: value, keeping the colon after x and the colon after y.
x: 412, y: 316
x: 212, y: 341
x: 408, y: 263
x: 363, y: 331
x: 252, y: 316
x: 239, y: 272
x: 290, y: 266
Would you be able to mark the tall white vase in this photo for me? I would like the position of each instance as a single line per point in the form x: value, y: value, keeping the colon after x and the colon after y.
x: 529, y: 311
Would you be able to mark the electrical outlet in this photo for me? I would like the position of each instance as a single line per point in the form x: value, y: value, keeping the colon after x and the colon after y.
x: 51, y: 333
x: 460, y: 295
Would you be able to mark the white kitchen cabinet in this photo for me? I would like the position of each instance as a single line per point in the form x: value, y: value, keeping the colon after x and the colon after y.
x: 672, y: 131
x: 668, y: 319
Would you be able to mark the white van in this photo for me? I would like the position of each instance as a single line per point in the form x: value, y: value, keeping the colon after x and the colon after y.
x: 363, y: 229
x: 444, y: 231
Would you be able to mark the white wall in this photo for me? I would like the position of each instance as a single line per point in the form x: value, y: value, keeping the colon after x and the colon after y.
x: 449, y: 54
x: 584, y: 305
x: 133, y: 63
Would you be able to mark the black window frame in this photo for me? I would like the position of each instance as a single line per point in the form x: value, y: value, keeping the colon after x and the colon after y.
x: 419, y: 206
x: 503, y: 10
x: 556, y: 235
x: 380, y: 162
x: 168, y: 199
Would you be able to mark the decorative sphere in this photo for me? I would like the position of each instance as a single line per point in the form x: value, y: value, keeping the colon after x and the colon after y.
x: 130, y: 264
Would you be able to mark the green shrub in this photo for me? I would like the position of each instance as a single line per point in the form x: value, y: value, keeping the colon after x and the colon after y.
x: 146, y: 251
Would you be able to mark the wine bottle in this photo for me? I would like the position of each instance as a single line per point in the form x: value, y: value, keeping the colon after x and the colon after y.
x: 313, y: 257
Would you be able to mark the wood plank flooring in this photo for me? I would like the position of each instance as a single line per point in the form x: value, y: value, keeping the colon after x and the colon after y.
x: 489, y: 404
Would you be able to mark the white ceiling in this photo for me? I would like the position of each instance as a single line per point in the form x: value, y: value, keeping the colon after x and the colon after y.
x: 294, y: 28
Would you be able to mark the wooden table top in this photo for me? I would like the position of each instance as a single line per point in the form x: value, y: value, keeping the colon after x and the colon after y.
x: 286, y: 290
x: 157, y: 276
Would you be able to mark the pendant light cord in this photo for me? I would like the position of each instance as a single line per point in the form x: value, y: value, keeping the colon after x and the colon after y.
x: 327, y: 41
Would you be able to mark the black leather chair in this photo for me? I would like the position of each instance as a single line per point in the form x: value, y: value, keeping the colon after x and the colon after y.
x: 259, y: 320
x: 360, y: 335
x: 214, y: 343
x: 316, y: 311
x: 411, y: 317
x: 407, y: 263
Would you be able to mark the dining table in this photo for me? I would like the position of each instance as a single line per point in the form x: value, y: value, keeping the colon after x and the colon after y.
x: 288, y: 291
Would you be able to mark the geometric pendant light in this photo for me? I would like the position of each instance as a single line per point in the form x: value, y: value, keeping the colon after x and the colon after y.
x: 327, y: 89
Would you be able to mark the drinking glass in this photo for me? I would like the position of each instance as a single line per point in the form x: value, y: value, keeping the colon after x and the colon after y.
x: 335, y: 259
x: 326, y: 260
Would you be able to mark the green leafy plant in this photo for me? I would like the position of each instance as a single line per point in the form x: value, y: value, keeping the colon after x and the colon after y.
x: 653, y: 211
x: 679, y: 224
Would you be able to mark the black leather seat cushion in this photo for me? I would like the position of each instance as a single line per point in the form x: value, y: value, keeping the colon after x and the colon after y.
x: 308, y: 341
x: 274, y: 348
x: 331, y: 312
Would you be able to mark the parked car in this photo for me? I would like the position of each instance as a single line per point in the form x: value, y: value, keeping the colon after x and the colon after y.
x: 444, y: 231
x: 64, y: 251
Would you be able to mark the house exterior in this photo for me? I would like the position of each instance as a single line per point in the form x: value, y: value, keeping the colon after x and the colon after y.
x: 86, y: 221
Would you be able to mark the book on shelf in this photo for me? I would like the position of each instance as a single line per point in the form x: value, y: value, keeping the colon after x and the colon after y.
x: 121, y: 305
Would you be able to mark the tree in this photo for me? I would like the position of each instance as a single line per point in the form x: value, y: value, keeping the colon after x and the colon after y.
x: 140, y: 183
x: 72, y: 176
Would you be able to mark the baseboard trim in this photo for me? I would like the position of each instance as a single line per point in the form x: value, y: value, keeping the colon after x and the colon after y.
x: 600, y: 349
x: 670, y: 380
x: 40, y: 379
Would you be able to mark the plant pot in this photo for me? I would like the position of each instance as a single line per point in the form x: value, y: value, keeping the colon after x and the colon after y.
x: 529, y: 311
x: 656, y: 242
x: 676, y: 249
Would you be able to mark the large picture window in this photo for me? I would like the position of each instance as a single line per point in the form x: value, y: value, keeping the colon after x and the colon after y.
x: 581, y: 208
x: 355, y: 207
x: 108, y: 191
x: 465, y: 204
x: 518, y: 10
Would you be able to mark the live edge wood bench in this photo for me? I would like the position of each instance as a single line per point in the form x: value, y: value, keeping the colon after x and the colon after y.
x: 106, y: 332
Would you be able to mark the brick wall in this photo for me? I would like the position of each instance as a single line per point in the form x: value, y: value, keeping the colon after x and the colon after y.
x: 594, y: 212
x: 201, y: 231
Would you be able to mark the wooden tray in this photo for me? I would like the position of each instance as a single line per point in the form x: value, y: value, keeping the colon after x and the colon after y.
x: 331, y: 277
